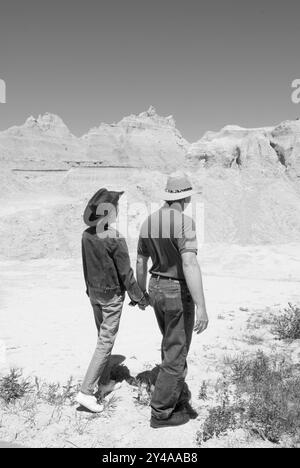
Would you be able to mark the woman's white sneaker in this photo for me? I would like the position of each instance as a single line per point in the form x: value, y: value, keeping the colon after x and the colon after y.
x: 89, y: 402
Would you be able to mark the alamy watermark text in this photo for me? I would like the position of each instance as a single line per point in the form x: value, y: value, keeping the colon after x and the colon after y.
x: 2, y: 92
x: 296, y: 92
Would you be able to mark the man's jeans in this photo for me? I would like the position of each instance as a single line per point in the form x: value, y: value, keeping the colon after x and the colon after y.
x: 175, y: 313
x: 107, y: 312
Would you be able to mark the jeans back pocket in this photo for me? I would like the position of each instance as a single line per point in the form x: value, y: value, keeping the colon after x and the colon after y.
x: 172, y: 302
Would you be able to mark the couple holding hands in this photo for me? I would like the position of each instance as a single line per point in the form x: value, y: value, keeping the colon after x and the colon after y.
x: 175, y: 291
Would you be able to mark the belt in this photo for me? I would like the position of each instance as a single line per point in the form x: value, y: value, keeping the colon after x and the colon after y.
x: 167, y: 278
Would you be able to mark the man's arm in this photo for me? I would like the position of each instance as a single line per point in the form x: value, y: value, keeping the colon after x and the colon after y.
x: 141, y: 271
x: 193, y: 276
x: 142, y: 265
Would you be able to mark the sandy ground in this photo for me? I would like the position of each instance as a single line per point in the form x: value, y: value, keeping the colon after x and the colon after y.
x: 46, y: 323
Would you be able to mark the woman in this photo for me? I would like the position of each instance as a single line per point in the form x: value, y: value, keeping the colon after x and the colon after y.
x: 108, y: 275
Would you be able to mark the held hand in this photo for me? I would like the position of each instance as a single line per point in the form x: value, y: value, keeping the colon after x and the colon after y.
x: 143, y: 304
x: 201, y: 320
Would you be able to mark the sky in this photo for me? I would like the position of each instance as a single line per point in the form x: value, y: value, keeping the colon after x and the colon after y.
x: 208, y: 63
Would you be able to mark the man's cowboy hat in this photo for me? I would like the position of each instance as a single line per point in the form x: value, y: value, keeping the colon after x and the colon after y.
x: 103, y: 200
x: 178, y: 187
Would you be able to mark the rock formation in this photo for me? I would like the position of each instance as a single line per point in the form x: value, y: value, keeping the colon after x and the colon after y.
x: 270, y: 149
x: 145, y: 140
x: 249, y: 178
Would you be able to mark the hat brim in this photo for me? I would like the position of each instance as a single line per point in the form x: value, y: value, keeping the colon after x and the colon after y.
x: 167, y: 196
x: 88, y: 212
x: 87, y: 217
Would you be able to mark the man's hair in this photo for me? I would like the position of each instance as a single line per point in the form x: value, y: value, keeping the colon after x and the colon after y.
x: 181, y: 201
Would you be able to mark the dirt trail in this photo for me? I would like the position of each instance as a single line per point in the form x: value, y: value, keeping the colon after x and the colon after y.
x: 52, y: 309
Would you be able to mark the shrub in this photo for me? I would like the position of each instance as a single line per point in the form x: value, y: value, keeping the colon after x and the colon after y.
x: 287, y: 325
x: 56, y: 394
x: 203, y: 391
x: 13, y: 386
x: 110, y: 404
x: 219, y: 421
x: 260, y: 394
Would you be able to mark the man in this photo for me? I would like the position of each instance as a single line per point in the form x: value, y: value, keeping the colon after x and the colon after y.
x: 108, y: 274
x: 168, y: 236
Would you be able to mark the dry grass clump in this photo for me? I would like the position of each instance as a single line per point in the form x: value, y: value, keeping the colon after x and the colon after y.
x: 287, y: 325
x: 56, y: 394
x: 259, y: 394
x: 13, y: 386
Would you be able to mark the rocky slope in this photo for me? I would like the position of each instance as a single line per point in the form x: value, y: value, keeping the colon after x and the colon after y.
x: 148, y: 140
x: 271, y: 150
x: 41, y: 142
x: 249, y: 179
x: 145, y: 140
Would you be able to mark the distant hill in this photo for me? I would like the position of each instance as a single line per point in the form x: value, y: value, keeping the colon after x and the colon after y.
x: 270, y: 149
x: 249, y: 178
x: 146, y: 140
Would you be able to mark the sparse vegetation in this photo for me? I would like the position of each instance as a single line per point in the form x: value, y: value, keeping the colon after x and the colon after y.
x: 13, y: 386
x: 220, y: 420
x: 287, y: 325
x: 254, y: 340
x: 259, y: 394
x: 56, y: 394
x: 203, y: 391
x: 110, y: 404
x: 143, y: 394
x: 32, y: 409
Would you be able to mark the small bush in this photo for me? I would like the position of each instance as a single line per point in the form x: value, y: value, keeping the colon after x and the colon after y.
x: 254, y: 340
x: 56, y: 394
x: 219, y: 421
x: 287, y: 325
x: 203, y: 392
x: 260, y: 394
x: 110, y: 404
x: 13, y: 386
